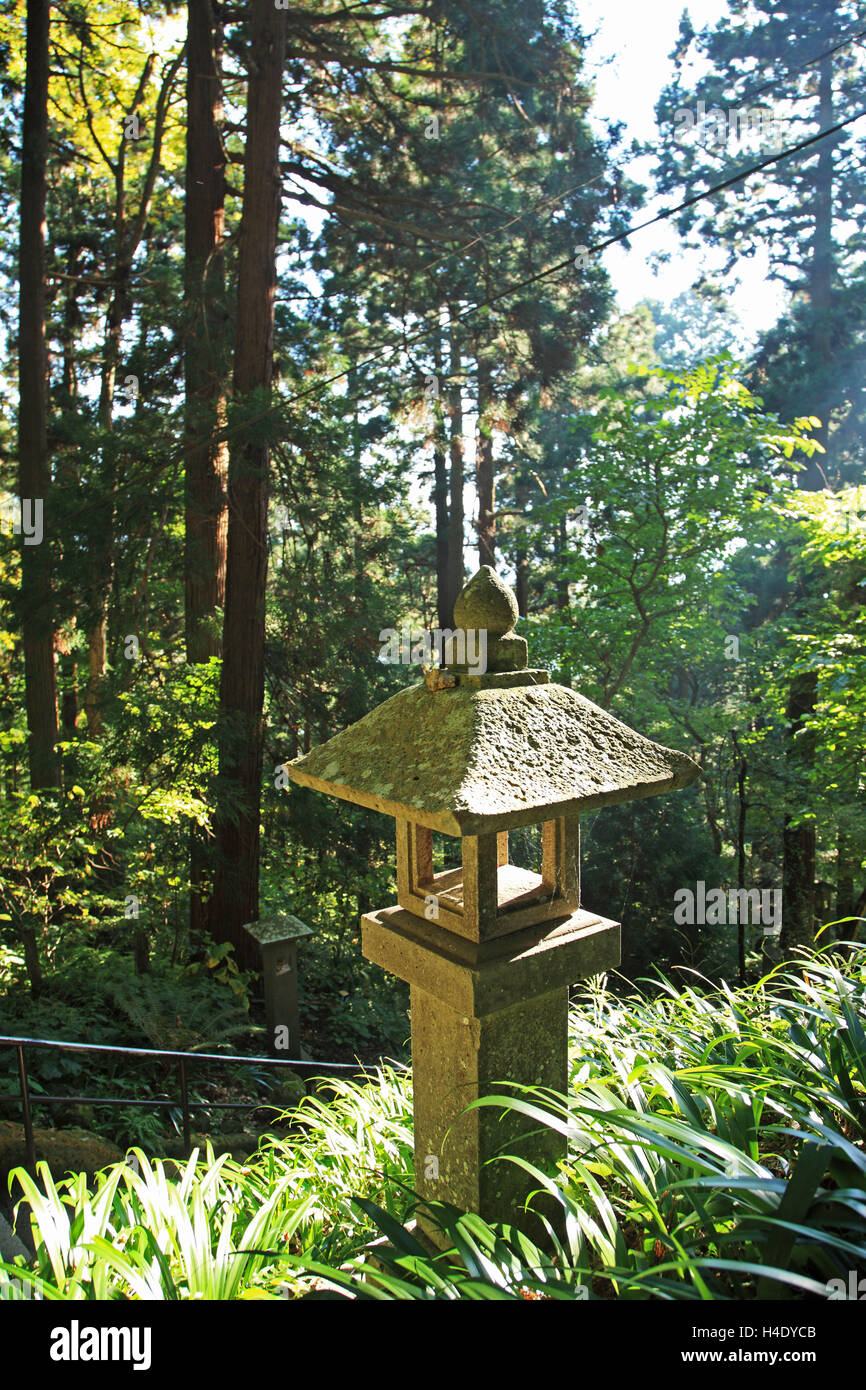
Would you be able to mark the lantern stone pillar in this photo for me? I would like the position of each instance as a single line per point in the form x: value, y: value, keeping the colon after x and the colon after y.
x: 489, y: 949
x: 482, y: 1015
x: 457, y: 1059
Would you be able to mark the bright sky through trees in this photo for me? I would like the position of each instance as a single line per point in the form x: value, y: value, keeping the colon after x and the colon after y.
x: 630, y: 55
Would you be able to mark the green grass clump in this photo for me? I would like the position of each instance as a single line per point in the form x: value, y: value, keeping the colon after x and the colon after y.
x: 154, y: 1229
x: 716, y: 1150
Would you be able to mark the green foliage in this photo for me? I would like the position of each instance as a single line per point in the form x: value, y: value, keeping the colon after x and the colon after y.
x: 96, y: 995
x: 152, y: 1229
x: 674, y: 597
x: 666, y: 482
x: 715, y: 1151
x: 41, y: 836
x: 652, y: 517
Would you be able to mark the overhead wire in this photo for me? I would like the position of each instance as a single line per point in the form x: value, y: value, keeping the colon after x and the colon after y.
x: 665, y: 215
x: 576, y: 188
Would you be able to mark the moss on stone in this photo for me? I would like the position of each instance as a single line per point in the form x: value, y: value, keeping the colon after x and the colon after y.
x: 64, y: 1150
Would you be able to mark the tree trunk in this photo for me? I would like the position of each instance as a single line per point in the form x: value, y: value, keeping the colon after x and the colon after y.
x: 456, y: 571
x: 128, y: 233
x: 814, y: 476
x: 846, y: 867
x: 798, y: 880
x: 742, y: 815
x: 440, y: 495
x: 206, y: 455
x: 32, y: 963
x: 521, y: 549
x: 354, y: 396
x: 40, y: 681
x: 102, y: 558
x: 236, y: 887
x: 66, y: 476
x: 560, y: 551
x: 485, y: 476
x: 798, y: 841
x: 141, y: 951
x: 95, y: 671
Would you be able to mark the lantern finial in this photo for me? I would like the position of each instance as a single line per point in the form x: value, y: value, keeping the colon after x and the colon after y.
x: 486, y: 604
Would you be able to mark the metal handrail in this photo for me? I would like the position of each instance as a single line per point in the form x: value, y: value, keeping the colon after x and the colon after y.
x: 28, y: 1100
x: 61, y: 1045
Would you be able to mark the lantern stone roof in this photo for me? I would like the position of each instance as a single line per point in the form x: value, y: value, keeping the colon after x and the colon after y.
x: 471, y: 754
x: 282, y: 926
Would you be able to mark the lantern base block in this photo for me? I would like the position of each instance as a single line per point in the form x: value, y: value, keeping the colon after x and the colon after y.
x: 482, y: 977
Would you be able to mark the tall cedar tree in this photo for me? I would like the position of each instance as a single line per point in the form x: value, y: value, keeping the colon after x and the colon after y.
x: 130, y: 225
x: 773, y: 74
x: 235, y: 898
x: 206, y: 452
x: 37, y: 625
x: 481, y: 181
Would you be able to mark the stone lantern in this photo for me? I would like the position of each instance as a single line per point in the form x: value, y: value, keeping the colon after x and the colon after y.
x: 277, y: 938
x: 489, y: 949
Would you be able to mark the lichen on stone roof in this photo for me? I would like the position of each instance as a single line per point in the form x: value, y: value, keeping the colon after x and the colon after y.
x: 468, y: 760
x: 283, y: 926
